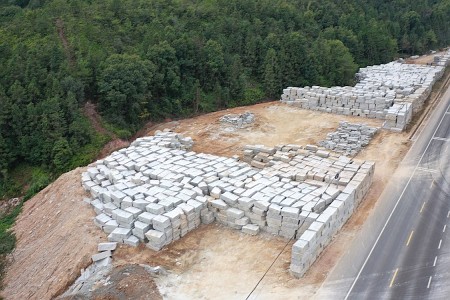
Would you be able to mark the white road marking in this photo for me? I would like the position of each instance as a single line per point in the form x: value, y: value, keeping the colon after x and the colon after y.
x: 435, y: 260
x: 440, y: 242
x: 445, y: 227
x: 423, y: 205
x: 448, y: 214
x: 427, y: 170
x: 395, y: 206
x: 441, y: 139
x: 429, y: 282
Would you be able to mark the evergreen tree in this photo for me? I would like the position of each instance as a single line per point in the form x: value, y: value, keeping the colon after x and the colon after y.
x: 61, y: 154
x: 272, y: 84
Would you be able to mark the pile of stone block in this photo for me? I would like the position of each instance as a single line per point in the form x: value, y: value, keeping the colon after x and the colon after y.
x: 442, y: 60
x: 398, y: 117
x: 379, y: 88
x: 411, y: 83
x: 155, y: 193
x: 340, y: 100
x: 104, y: 255
x: 349, y: 138
x: 173, y: 140
x: 238, y: 120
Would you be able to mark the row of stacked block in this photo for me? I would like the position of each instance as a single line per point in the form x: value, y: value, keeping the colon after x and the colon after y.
x: 155, y: 194
x: 349, y: 138
x: 442, y: 60
x: 391, y: 92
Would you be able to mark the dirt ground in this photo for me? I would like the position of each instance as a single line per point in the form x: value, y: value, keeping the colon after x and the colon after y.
x: 275, y: 124
x: 55, y: 239
x: 424, y: 59
x: 212, y: 261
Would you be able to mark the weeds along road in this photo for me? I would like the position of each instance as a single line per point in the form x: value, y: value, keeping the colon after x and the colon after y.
x: 403, y: 249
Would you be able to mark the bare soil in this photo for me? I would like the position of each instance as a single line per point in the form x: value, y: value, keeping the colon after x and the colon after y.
x: 210, y: 262
x: 91, y: 113
x: 275, y: 124
x: 424, y: 59
x: 124, y: 282
x: 55, y: 239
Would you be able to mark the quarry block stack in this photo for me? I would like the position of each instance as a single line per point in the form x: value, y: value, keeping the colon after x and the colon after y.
x: 349, y: 138
x: 391, y: 92
x: 157, y: 190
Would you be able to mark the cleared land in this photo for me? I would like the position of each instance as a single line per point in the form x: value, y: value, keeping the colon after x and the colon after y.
x: 212, y: 260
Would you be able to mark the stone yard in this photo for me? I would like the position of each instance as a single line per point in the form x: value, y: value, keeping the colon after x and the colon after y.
x: 200, y: 259
x: 390, y: 92
x: 156, y: 191
x: 281, y: 128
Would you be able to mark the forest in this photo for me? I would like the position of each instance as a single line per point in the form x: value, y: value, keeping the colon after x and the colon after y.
x: 147, y: 60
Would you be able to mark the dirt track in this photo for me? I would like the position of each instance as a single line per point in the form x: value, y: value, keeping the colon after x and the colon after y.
x: 56, y: 235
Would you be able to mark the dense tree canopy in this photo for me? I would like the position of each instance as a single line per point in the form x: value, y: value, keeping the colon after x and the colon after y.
x: 150, y: 59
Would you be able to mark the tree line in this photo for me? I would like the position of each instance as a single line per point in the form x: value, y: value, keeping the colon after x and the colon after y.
x: 143, y: 60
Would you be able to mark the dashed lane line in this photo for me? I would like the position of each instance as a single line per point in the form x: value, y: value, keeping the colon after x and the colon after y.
x: 393, y: 278
x: 410, y: 237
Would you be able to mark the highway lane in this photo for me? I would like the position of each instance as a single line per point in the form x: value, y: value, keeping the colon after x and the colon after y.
x: 403, y: 249
x: 401, y: 263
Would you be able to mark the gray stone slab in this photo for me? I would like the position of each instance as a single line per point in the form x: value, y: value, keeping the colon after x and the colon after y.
x: 101, y: 255
x: 111, y: 246
x: 250, y: 229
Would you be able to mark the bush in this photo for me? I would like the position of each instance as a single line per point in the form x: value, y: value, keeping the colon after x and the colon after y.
x: 253, y: 96
x: 123, y: 134
x: 39, y: 180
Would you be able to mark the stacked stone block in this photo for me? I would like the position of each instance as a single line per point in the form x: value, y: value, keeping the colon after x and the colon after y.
x: 442, y: 60
x: 382, y: 91
x: 238, y: 120
x: 155, y: 193
x: 349, y: 138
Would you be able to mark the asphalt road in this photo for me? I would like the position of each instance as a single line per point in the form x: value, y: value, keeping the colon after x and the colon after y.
x: 403, y: 249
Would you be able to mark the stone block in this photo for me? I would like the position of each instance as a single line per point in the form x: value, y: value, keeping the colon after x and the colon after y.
x: 122, y: 216
x: 155, y: 236
x: 131, y: 241
x: 229, y: 198
x: 235, y: 213
x: 155, y: 208
x: 107, y: 246
x: 101, y: 255
x: 119, y: 234
x: 250, y: 229
x: 146, y: 217
x: 161, y: 222
x: 219, y: 204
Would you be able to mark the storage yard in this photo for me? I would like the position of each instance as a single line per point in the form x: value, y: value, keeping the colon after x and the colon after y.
x: 260, y: 182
